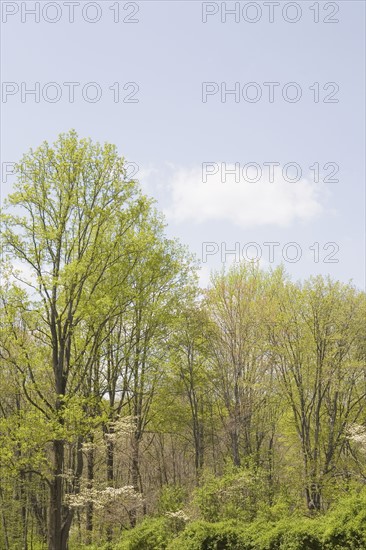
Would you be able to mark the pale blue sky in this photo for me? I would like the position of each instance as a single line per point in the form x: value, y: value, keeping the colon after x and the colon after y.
x: 170, y: 132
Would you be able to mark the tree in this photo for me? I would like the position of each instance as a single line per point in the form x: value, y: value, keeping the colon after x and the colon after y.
x: 189, y: 358
x: 161, y: 286
x: 72, y: 210
x: 316, y: 345
x: 237, y: 304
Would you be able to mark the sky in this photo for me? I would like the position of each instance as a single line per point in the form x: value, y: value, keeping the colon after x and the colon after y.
x: 244, y: 120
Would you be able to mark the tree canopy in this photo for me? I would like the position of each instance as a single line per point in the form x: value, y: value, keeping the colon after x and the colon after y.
x: 140, y: 410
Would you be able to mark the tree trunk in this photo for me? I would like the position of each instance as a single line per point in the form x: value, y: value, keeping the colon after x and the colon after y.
x: 110, y: 477
x: 4, y: 522
x: 90, y: 507
x: 234, y: 436
x: 60, y: 517
x: 313, y: 497
x: 24, y: 510
x: 199, y: 449
x: 135, y: 473
x: 55, y: 539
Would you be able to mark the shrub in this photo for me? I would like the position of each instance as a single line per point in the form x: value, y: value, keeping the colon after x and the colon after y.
x: 345, y: 525
x: 172, y: 498
x: 302, y: 537
x: 236, y: 495
x: 290, y: 534
x: 286, y: 535
x: 150, y: 534
x: 202, y: 535
x: 343, y: 528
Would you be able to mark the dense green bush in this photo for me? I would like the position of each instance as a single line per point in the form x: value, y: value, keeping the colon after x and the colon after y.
x: 293, y: 534
x: 345, y: 526
x: 341, y: 528
x: 238, y: 494
x: 172, y: 498
x: 202, y: 535
x: 151, y: 534
x: 296, y: 535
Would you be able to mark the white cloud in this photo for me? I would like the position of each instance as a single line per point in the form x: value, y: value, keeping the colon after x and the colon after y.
x: 244, y: 203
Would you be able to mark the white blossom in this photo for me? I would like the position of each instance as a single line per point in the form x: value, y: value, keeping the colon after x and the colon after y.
x: 357, y: 434
x: 180, y: 514
x: 102, y: 498
x: 121, y: 426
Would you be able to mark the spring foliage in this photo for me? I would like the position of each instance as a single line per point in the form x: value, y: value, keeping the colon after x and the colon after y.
x: 138, y: 410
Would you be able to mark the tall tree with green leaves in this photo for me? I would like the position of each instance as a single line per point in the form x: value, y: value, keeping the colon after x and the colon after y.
x: 237, y: 303
x: 162, y: 285
x: 67, y: 230
x: 316, y: 343
x: 190, y: 375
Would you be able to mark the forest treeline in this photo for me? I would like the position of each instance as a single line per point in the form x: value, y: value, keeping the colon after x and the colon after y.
x: 140, y: 411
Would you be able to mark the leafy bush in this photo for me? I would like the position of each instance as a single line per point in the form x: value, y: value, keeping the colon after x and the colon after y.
x: 345, y: 526
x: 256, y: 536
x: 236, y: 495
x: 202, y: 535
x: 151, y: 534
x: 290, y: 534
x: 172, y: 498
